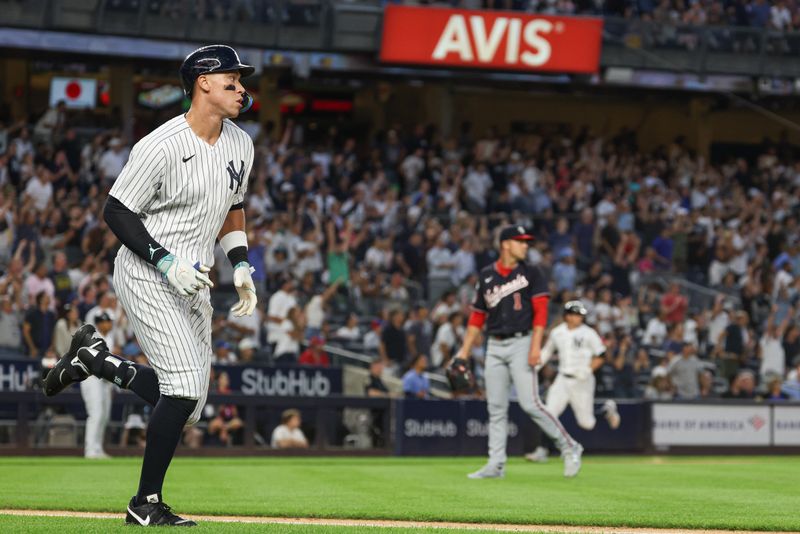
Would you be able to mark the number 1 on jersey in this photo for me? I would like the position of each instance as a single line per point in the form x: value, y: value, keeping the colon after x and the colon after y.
x: 517, y: 301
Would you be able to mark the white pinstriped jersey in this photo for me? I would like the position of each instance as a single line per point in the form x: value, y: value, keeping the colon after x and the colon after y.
x: 183, y: 188
x: 575, y: 348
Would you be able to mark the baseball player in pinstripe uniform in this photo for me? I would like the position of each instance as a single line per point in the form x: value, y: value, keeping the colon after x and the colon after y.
x: 182, y: 188
x: 580, y: 353
x: 511, y: 299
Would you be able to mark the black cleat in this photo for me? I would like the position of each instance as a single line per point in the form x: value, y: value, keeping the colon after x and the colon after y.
x: 70, y: 367
x: 154, y: 514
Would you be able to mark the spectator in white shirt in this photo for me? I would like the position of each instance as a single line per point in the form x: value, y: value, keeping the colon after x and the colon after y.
x: 113, y: 160
x: 379, y: 255
x: 477, y: 185
x: 289, y: 335
x: 40, y: 188
x: 23, y: 145
x: 770, y: 347
x: 288, y: 434
x: 350, y: 330
x: 720, y: 319
x: 606, y: 313
x: 50, y: 123
x: 780, y: 17
x: 448, y: 339
x: 656, y: 331
x: 783, y: 278
x: 279, y: 305
x: 443, y: 309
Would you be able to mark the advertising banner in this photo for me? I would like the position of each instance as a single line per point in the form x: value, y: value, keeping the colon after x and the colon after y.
x: 703, y: 424
x: 786, y: 425
x: 19, y: 375
x: 499, y: 40
x: 428, y: 427
x: 283, y: 381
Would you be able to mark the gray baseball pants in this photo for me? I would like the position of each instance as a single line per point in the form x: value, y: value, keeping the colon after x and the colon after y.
x: 507, y: 362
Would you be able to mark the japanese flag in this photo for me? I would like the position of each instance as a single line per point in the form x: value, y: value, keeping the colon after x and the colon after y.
x: 76, y: 92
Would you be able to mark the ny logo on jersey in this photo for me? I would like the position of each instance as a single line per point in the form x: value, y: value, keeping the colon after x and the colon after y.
x: 577, y: 342
x: 235, y: 176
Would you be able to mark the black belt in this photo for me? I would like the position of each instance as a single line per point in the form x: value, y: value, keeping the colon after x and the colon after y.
x: 568, y: 376
x: 521, y: 333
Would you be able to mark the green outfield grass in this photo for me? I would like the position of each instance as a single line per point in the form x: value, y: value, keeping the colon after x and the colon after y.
x: 59, y: 525
x: 758, y: 493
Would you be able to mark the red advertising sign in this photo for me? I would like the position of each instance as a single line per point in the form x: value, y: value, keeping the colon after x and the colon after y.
x: 498, y: 40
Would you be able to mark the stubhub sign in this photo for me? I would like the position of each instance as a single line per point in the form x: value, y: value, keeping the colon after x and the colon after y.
x: 284, y: 381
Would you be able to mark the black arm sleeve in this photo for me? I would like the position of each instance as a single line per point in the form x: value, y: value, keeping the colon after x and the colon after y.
x: 130, y: 230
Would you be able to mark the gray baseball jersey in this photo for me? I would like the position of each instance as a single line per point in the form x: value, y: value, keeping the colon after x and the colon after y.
x: 183, y: 189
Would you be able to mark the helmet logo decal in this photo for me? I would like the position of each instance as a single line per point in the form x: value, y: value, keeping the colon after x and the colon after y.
x: 209, y: 63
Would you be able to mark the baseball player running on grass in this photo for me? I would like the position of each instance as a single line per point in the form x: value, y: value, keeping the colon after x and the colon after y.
x: 580, y: 353
x: 182, y: 187
x: 511, y: 300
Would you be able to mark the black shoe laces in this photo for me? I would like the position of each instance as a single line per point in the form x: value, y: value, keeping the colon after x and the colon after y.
x: 166, y: 512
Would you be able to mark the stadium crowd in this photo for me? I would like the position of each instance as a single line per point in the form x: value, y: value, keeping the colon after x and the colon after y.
x: 781, y: 15
x: 690, y: 271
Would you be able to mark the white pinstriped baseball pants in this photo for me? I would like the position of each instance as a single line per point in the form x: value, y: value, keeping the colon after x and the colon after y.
x: 507, y: 362
x: 173, y: 331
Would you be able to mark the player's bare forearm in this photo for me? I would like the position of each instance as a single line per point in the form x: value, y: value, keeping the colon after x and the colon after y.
x: 469, y: 340
x: 233, y: 221
x: 535, y: 353
x: 597, y: 362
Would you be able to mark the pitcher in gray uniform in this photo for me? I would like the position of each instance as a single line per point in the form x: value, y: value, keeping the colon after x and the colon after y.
x: 511, y: 301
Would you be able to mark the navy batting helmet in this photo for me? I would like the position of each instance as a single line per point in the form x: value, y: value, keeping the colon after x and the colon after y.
x: 576, y: 307
x: 210, y: 59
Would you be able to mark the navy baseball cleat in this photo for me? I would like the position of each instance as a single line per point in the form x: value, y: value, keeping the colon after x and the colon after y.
x: 72, y: 367
x: 155, y: 514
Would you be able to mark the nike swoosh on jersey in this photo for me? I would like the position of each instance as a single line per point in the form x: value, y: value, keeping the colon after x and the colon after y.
x: 187, y: 159
x: 143, y: 522
x: 486, y: 281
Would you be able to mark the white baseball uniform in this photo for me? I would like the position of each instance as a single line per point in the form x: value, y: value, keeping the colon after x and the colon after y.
x: 183, y: 189
x: 96, y: 396
x: 574, y: 383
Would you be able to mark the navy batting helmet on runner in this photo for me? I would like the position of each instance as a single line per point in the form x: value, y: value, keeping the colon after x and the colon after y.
x: 211, y: 59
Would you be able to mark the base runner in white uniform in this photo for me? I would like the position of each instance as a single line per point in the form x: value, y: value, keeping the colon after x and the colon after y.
x: 182, y: 188
x: 580, y: 353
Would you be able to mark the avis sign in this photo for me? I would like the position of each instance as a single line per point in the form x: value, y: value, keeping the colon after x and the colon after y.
x: 490, y: 40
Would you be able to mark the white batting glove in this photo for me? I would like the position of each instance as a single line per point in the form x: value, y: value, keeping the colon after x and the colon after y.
x: 243, y: 282
x: 183, y: 276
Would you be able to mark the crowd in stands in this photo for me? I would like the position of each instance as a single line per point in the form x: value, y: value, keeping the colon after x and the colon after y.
x: 780, y: 15
x: 690, y: 271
